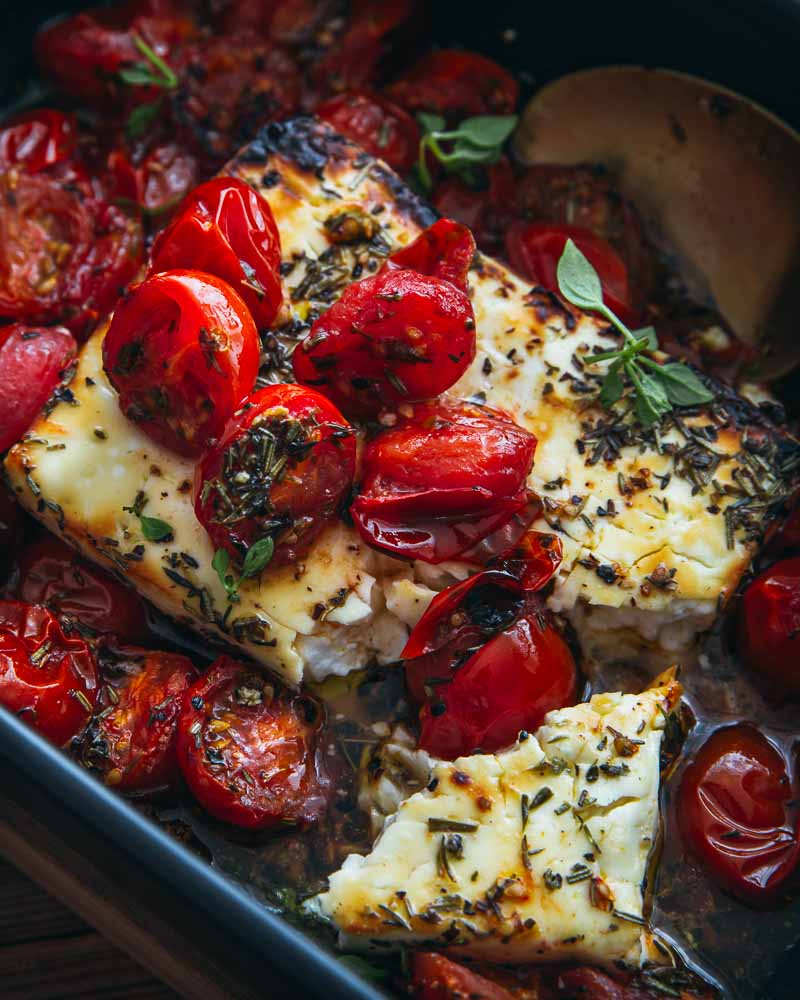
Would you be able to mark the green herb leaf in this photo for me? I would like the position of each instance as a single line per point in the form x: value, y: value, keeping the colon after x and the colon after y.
x: 681, y: 384
x: 430, y: 122
x: 613, y: 385
x: 220, y: 564
x: 648, y: 334
x: 154, y: 529
x: 651, y: 398
x: 578, y: 281
x: 363, y: 967
x: 139, y: 75
x: 476, y: 141
x: 487, y: 130
x: 141, y: 118
x: 163, y: 75
x: 258, y: 555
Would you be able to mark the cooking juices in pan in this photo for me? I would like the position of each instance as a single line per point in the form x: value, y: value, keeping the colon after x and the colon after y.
x: 164, y: 97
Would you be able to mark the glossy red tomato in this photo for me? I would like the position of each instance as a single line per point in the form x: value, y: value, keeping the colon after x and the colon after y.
x: 241, y: 498
x: 533, y: 560
x: 249, y: 753
x: 392, y: 338
x: 443, y: 250
x: 534, y: 250
x: 153, y: 177
x: 380, y: 127
x: 33, y: 361
x: 182, y: 352
x: 769, y: 625
x: 442, y: 479
x: 456, y: 84
x: 47, y: 677
x: 52, y: 574
x: 434, y: 977
x: 224, y: 227
x: 487, y: 213
x: 736, y: 814
x: 37, y: 139
x: 133, y: 737
x: 486, y: 662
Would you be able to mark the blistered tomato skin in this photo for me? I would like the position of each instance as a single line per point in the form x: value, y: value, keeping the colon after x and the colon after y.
x: 182, y: 352
x: 392, y: 338
x: 736, y: 813
x: 33, y: 361
x: 769, y: 625
x: 380, y: 127
x: 37, y: 139
x: 443, y: 250
x: 133, y: 739
x: 249, y: 754
x: 226, y: 228
x: 52, y: 574
x: 47, y: 677
x: 240, y: 498
x: 154, y: 178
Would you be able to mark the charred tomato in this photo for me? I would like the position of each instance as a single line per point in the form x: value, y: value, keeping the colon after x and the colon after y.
x: 249, y: 753
x: 152, y: 176
x: 47, y: 676
x: 224, y: 227
x: 182, y: 352
x: 380, y: 127
x: 283, y: 469
x: 444, y: 250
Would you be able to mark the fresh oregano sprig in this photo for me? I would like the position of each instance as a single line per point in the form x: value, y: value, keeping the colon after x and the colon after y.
x: 257, y: 557
x: 475, y: 142
x: 657, y: 388
x: 152, y: 72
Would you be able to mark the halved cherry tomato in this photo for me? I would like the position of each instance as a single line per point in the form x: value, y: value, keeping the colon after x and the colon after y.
x: 534, y: 250
x: 735, y: 813
x: 395, y: 337
x: 283, y: 469
x: 456, y: 84
x: 132, y: 738
x: 37, y: 139
x: 442, y: 479
x: 182, y: 352
x: 443, y: 250
x: 769, y: 624
x: 153, y: 176
x: 434, y: 977
x: 33, y: 361
x: 486, y: 662
x: 224, y: 227
x: 380, y: 127
x: 53, y: 574
x: 47, y: 676
x: 249, y: 753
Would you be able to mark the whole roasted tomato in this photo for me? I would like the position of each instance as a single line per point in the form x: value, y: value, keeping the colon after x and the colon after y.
x: 47, y: 677
x: 224, y: 227
x: 64, y: 253
x: 132, y: 739
x: 769, y: 625
x: 283, y: 469
x: 153, y: 176
x: 380, y: 127
x: 182, y: 352
x: 485, y: 661
x: 53, y: 574
x: 456, y: 84
x: 534, y: 250
x: 37, y: 139
x: 395, y: 337
x: 736, y: 813
x: 443, y: 479
x: 33, y: 361
x: 249, y: 753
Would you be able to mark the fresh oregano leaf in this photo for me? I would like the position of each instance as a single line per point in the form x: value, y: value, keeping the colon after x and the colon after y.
x: 487, y: 131
x: 220, y: 564
x: 430, y: 122
x: 681, y: 384
x: 578, y: 281
x: 154, y: 529
x: 649, y: 334
x: 613, y: 385
x: 258, y: 555
x: 476, y: 141
x: 651, y: 398
x: 141, y: 118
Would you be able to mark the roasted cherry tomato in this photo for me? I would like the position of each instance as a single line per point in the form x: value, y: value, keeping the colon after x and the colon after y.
x: 434, y: 977
x: 133, y: 736
x: 53, y: 574
x: 283, y: 469
x: 32, y: 363
x: 182, y: 352
x: 248, y: 753
x: 226, y: 228
x: 392, y: 338
x: 36, y: 140
x: 533, y: 560
x: 486, y: 662
x: 47, y: 677
x: 380, y: 127
x: 442, y: 479
x: 769, y: 624
x: 456, y: 84
x: 153, y: 177
x: 534, y: 249
x: 443, y: 250
x: 488, y: 212
x: 736, y: 813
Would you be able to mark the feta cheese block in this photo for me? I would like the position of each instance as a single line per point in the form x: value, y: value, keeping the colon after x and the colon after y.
x: 536, y: 854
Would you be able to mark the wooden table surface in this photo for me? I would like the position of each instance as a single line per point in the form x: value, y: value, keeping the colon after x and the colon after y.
x: 46, y: 952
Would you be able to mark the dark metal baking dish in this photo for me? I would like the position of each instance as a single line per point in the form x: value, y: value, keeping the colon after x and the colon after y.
x: 748, y: 45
